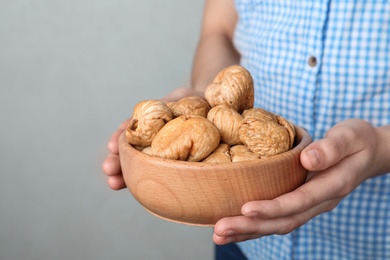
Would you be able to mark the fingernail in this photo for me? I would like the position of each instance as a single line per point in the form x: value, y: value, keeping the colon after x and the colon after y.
x: 228, y: 232
x: 314, y: 158
x: 251, y: 214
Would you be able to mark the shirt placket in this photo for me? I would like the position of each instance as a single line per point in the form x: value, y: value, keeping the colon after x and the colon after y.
x: 317, y: 13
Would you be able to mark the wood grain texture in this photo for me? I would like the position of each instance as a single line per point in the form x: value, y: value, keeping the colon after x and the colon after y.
x: 197, y: 193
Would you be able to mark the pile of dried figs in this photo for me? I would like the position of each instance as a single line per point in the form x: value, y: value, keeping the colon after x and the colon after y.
x: 222, y: 127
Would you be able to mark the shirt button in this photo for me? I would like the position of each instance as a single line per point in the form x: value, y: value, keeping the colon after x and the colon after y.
x: 312, y: 61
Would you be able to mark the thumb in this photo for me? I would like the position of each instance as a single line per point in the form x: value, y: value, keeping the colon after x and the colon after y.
x: 340, y: 142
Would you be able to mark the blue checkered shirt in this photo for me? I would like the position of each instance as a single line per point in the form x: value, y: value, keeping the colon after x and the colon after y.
x: 317, y: 63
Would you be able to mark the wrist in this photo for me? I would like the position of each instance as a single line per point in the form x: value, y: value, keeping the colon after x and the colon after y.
x: 383, y: 149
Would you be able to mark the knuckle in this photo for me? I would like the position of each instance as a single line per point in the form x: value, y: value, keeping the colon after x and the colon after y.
x: 345, y: 189
x: 331, y: 205
x: 342, y: 132
x: 306, y: 200
x: 288, y: 227
x: 332, y: 146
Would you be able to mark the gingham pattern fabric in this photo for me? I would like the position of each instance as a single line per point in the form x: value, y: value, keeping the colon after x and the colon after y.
x: 350, y: 41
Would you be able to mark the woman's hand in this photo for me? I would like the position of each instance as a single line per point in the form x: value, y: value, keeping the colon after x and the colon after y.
x: 351, y: 152
x: 111, y: 165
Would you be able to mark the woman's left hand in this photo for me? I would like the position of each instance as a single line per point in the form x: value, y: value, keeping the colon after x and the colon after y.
x: 351, y: 152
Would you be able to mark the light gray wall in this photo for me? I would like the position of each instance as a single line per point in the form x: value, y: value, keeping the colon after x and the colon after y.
x: 70, y: 72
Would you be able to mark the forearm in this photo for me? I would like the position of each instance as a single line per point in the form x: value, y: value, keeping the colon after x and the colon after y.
x: 215, y: 49
x: 215, y: 52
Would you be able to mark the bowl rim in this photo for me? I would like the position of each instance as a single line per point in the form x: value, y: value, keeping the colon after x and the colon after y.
x: 302, y: 140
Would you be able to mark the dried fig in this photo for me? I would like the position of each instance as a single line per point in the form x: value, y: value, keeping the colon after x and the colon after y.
x: 193, y: 105
x: 148, y: 118
x: 186, y: 138
x: 228, y: 121
x: 260, y: 114
x: 265, y: 133
x: 240, y: 153
x: 233, y: 86
x: 220, y: 155
x: 265, y: 115
x: 265, y: 138
x: 289, y: 127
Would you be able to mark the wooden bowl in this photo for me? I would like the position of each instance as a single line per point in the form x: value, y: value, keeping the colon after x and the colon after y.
x: 197, y: 193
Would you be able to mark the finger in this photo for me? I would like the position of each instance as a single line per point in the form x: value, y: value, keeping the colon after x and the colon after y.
x: 116, y: 182
x: 223, y: 240
x: 113, y: 142
x: 341, y: 141
x: 236, y: 229
x: 111, y: 165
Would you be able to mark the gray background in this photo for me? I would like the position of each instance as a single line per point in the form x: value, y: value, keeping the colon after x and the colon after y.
x: 70, y: 73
